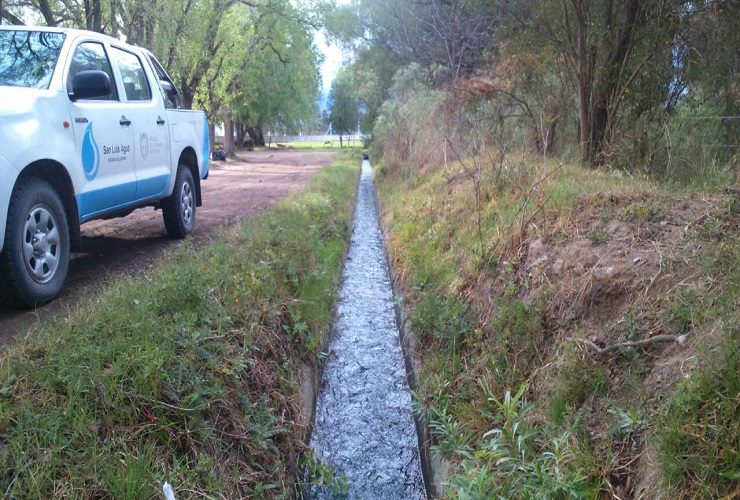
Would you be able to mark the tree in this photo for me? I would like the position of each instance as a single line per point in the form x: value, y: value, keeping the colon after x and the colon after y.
x: 342, y: 107
x: 266, y: 72
x: 455, y: 37
x: 605, y: 46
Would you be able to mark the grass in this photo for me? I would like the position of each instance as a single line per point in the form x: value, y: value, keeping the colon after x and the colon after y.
x: 700, y: 441
x: 701, y: 436
x: 494, y: 313
x: 189, y: 374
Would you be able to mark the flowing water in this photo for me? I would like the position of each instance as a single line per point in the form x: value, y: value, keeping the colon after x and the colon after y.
x: 363, y: 426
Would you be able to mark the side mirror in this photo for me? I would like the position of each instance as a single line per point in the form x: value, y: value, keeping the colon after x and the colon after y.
x: 167, y: 86
x: 171, y: 95
x: 90, y: 84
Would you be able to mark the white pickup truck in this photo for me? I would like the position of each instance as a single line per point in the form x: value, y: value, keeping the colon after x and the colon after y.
x: 90, y: 127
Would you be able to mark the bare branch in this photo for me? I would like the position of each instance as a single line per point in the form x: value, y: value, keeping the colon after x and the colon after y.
x: 633, y: 343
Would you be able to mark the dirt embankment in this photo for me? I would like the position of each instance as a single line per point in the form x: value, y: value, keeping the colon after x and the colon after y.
x: 615, y: 277
x: 115, y: 248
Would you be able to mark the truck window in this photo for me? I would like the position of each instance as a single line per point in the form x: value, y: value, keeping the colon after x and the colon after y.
x: 132, y: 72
x: 28, y: 58
x: 172, y: 99
x: 91, y: 56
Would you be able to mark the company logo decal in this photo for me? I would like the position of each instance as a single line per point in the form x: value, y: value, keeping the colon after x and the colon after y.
x: 90, y: 154
x: 144, y: 144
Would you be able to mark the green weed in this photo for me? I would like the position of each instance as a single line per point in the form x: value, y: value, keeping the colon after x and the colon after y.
x: 515, y: 460
x: 318, y: 473
x: 573, y: 382
x: 442, y: 319
x: 487, y: 327
x: 627, y: 422
x: 597, y: 236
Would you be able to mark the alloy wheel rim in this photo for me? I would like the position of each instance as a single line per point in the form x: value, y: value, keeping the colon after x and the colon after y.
x: 186, y: 202
x: 41, y: 244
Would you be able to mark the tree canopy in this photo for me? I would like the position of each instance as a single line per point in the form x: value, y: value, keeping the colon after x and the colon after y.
x: 612, y: 81
x: 252, y: 63
x: 608, y: 79
x: 343, y: 114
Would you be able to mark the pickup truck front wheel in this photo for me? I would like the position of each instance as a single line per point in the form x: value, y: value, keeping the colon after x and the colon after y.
x: 35, y: 258
x: 179, y: 209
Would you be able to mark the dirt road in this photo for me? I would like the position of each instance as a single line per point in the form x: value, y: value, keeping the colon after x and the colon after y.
x: 115, y: 248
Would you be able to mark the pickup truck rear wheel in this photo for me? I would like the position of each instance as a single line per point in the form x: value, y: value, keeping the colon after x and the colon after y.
x: 178, y: 210
x: 35, y: 258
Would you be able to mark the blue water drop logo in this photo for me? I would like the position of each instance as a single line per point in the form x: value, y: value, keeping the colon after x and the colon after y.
x: 90, y: 154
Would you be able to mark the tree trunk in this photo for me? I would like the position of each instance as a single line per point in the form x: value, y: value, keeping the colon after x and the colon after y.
x: 584, y: 84
x: 257, y: 136
x: 241, y: 133
x: 4, y: 14
x: 45, y: 9
x: 152, y: 7
x: 187, y: 95
x: 93, y: 16
x: 212, y: 135
x: 229, y: 136
x: 600, y: 81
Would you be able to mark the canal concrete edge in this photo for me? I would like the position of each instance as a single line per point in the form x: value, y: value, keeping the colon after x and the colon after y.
x: 310, y: 382
x: 434, y: 468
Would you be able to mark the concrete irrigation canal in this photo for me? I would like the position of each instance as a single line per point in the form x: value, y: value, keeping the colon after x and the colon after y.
x: 364, y: 426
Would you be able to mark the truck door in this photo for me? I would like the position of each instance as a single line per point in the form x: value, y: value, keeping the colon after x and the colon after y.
x: 148, y: 118
x: 103, y: 138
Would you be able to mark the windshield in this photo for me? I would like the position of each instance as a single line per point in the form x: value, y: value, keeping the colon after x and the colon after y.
x: 27, y: 58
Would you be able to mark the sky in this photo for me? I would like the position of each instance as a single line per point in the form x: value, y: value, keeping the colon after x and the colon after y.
x: 333, y: 60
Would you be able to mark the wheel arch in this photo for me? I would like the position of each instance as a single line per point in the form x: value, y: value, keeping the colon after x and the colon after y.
x: 55, y: 174
x: 189, y: 158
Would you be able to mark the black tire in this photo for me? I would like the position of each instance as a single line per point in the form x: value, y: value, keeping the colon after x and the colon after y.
x: 178, y: 210
x: 35, y: 257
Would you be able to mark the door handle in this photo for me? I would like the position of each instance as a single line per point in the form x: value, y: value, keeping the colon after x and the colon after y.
x: 160, y: 120
x: 124, y: 121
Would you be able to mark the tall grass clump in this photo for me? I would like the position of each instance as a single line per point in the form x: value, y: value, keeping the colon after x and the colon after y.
x: 189, y: 374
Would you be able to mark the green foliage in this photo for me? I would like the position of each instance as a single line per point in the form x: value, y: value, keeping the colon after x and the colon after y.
x: 442, y: 319
x: 254, y: 61
x: 266, y: 74
x: 319, y: 474
x: 194, y: 368
x: 388, y: 35
x: 627, y: 422
x: 700, y: 422
x: 518, y: 461
x: 409, y: 131
x: 450, y: 433
x: 643, y: 211
x: 343, y: 114
x: 596, y: 236
x: 487, y: 328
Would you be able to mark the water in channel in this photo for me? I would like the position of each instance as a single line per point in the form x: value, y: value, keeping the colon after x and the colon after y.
x: 363, y: 426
